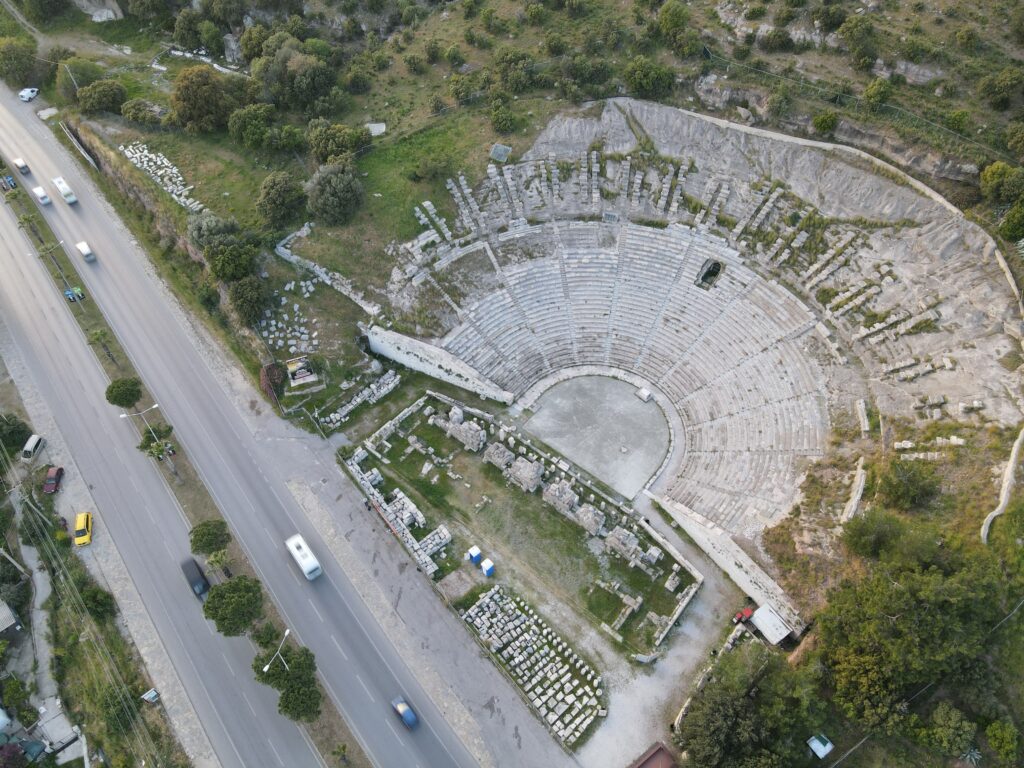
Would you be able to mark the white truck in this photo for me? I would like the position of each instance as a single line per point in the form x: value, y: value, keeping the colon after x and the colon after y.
x: 65, y: 190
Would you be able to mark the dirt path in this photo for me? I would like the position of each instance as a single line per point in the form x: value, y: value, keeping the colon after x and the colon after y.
x: 78, y: 41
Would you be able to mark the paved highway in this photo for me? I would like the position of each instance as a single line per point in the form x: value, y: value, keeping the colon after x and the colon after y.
x: 359, y: 667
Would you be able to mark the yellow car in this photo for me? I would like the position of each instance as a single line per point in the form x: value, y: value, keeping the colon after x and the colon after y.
x: 83, y: 529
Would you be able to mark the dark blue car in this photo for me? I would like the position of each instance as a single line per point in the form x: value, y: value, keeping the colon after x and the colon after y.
x: 404, y: 711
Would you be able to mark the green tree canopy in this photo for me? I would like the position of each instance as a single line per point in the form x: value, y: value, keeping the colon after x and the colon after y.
x: 647, y: 78
x: 102, y: 96
x: 231, y: 259
x: 14, y: 433
x: 124, y: 393
x: 234, y: 605
x: 908, y: 485
x: 327, y: 140
x: 209, y: 536
x: 250, y: 125
x: 281, y: 198
x: 252, y: 40
x: 186, y: 29
x: 17, y: 58
x: 249, y: 297
x: 75, y: 73
x: 334, y: 193
x: 202, y: 99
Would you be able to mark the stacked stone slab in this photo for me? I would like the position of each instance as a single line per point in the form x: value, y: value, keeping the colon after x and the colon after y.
x: 563, y: 689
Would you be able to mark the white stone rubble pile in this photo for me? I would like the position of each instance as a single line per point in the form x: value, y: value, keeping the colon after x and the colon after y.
x: 163, y: 172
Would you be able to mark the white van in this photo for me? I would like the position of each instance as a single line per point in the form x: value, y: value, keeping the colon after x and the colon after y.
x: 32, y: 448
x: 307, y: 562
x: 21, y: 165
x: 41, y: 196
x: 65, y: 190
x: 86, y: 251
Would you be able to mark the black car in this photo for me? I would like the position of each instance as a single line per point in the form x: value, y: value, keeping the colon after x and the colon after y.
x: 196, y: 577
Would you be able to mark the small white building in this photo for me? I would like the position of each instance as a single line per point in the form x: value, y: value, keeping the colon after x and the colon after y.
x: 820, y: 745
x: 770, y: 624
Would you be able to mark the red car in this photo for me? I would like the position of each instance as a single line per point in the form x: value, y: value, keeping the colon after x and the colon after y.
x: 53, y: 477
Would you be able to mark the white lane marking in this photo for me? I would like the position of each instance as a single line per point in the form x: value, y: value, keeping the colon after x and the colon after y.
x: 251, y: 707
x: 276, y: 753
x: 227, y: 663
x: 316, y: 611
x: 398, y: 736
x: 340, y: 649
x: 365, y: 688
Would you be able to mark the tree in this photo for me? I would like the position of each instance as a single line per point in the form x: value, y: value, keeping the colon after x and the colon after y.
x: 249, y: 297
x: 300, y: 703
x: 647, y: 78
x: 12, y: 756
x: 227, y: 12
x: 673, y: 18
x: 250, y: 124
x: 54, y: 56
x: 186, y: 29
x: 17, y: 57
x: 234, y: 605
x: 1003, y: 739
x: 907, y: 485
x: 503, y: 119
x: 871, y: 534
x: 209, y: 536
x: 830, y: 17
x: 146, y: 9
x: 14, y: 433
x: 98, y: 602
x: 231, y: 259
x: 334, y: 193
x: 219, y: 559
x: 140, y: 111
x: 41, y: 11
x: 211, y: 38
x: 1002, y: 182
x: 902, y: 627
x: 124, y: 393
x: 327, y: 140
x: 201, y: 100
x: 252, y: 40
x: 358, y: 80
x: 515, y: 69
x: 102, y: 96
x: 950, y: 731
x: 281, y: 198
x: 206, y: 227
x: 75, y: 73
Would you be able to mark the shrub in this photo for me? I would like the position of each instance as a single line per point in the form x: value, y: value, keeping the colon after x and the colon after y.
x: 209, y: 536
x: 119, y: 709
x: 755, y: 12
x: 75, y: 73
x: 503, y: 119
x: 999, y: 88
x: 576, y: 8
x: 908, y: 485
x: 825, y: 122
x: 328, y: 140
x: 877, y: 93
x: 280, y: 200
x: 555, y: 44
x: 124, y: 393
x: 515, y: 69
x: 437, y: 105
x: 186, y: 29
x: 98, y: 602
x: 830, y: 17
x: 454, y: 57
x: 1002, y: 182
x: 432, y: 51
x: 13, y: 433
x: 1003, y: 739
x: 206, y: 227
x: 415, y: 64
x: 249, y: 297
x: 535, y: 14
x: 140, y: 111
x: 873, y: 533
x: 234, y: 605
x: 776, y: 40
x: 1015, y: 138
x: 42, y: 11
x: 358, y: 80
x: 1012, y: 225
x: 859, y: 35
x: 301, y: 703
x: 211, y: 38
x: 950, y: 733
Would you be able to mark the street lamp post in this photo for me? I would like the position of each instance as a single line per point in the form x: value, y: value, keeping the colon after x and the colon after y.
x: 277, y: 653
x: 156, y: 440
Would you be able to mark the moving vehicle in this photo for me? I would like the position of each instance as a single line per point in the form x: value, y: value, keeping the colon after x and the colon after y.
x: 83, y: 529
x: 307, y: 562
x: 32, y: 447
x: 21, y: 165
x: 86, y: 251
x: 41, y: 196
x: 404, y: 712
x: 65, y: 190
x: 196, y: 578
x: 53, y: 477
x: 27, y: 94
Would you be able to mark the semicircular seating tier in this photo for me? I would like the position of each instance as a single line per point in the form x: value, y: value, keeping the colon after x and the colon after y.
x: 730, y: 359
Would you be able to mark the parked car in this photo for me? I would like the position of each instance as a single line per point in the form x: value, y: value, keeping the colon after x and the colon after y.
x: 21, y: 165
x: 83, y: 529
x: 54, y: 475
x: 86, y: 251
x: 41, y: 196
x: 27, y: 94
x: 196, y: 578
x: 404, y: 712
